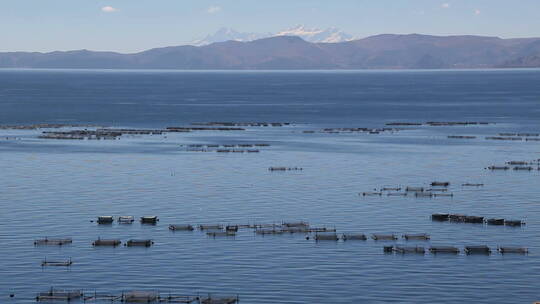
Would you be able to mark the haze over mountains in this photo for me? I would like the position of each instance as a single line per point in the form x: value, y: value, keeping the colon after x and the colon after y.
x: 290, y: 52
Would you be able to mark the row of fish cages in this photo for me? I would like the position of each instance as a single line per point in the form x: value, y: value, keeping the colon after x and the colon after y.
x: 44, y: 126
x: 126, y: 219
x: 243, y: 124
x: 436, y: 189
x: 97, y: 243
x: 439, y: 123
x: 278, y: 169
x: 353, y: 130
x: 468, y: 250
x: 364, y: 237
x: 82, y: 296
x: 208, y: 146
x: 517, y: 165
x: 508, y: 138
x: 462, y: 218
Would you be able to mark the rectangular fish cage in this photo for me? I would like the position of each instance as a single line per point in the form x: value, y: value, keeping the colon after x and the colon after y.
x: 296, y: 224
x: 149, y: 220
x: 414, y: 189
x: 231, y: 228
x: 495, y: 221
x: 211, y: 227
x: 221, y: 233
x: 441, y: 217
x: 126, y: 219
x: 423, y: 194
x: 354, y: 237
x: 218, y: 300
x: 371, y: 194
x: 181, y: 227
x: 103, y: 242
x: 326, y: 237
x: 384, y: 237
x: 514, y: 223
x: 404, y: 250
x: 418, y: 236
x: 140, y: 297
x: 57, y: 242
x: 59, y: 295
x: 440, y: 184
x: 103, y: 220
x: 477, y: 249
x: 517, y: 250
x: 139, y: 243
x: 444, y: 249
x: 66, y: 263
x: 269, y: 231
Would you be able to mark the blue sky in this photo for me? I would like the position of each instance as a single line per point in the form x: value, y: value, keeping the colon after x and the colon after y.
x: 134, y: 25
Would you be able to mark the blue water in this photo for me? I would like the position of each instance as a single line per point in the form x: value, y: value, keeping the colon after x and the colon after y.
x: 54, y: 188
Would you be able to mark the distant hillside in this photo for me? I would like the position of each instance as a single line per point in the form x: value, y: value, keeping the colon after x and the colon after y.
x: 288, y: 52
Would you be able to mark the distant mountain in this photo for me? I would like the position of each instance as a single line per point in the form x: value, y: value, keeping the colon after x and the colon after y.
x: 290, y: 52
x: 330, y: 35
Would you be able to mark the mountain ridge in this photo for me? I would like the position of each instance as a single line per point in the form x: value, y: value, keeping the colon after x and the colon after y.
x: 385, y: 51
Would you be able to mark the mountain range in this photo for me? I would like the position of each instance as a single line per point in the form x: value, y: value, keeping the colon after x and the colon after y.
x: 329, y: 35
x: 386, y: 51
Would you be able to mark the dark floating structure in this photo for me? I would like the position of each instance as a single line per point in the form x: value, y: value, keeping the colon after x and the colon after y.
x: 516, y: 250
x: 472, y: 185
x: 103, y: 242
x: 181, y: 228
x: 126, y: 219
x: 440, y: 184
x: 326, y: 237
x: 418, y: 236
x: 477, y: 250
x: 59, y: 295
x: 462, y: 218
x: 211, y: 227
x: 384, y: 237
x: 105, y: 219
x: 461, y: 137
x: 243, y: 124
x: 404, y: 250
x: 139, y: 243
x: 55, y: 242
x: 444, y: 249
x: 285, y: 169
x: 152, y: 220
x: 221, y: 233
x: 354, y: 237
x: 66, y: 263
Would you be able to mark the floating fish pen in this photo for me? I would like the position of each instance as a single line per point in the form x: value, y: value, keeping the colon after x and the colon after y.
x: 181, y: 228
x: 371, y: 194
x: 326, y: 237
x: 231, y: 228
x: 57, y: 242
x: 440, y: 184
x: 126, y: 219
x: 218, y: 300
x: 391, y: 189
x: 503, y: 138
x: 532, y: 139
x: 444, y: 249
x: 414, y: 189
x: 461, y: 137
x: 477, y: 249
x: 443, y: 194
x: 139, y: 243
x: 242, y: 124
x: 498, y: 168
x: 269, y: 231
x: 105, y: 219
x: 285, y: 169
x: 397, y: 194
x: 384, y: 237
x: 404, y: 250
x: 418, y: 236
x: 211, y: 227
x: 472, y: 185
x: 466, y: 218
x: 517, y: 163
x: 354, y: 237
x: 110, y: 243
x: 140, y: 297
x: 518, y: 250
x: 295, y: 230
x: 441, y: 217
x: 514, y: 223
x: 189, y: 129
x: 437, y: 190
x: 495, y: 221
x: 295, y: 224
x: 152, y: 220
x: 455, y: 123
x: 66, y: 263
x: 523, y: 168
x: 423, y: 194
x: 59, y: 295
x: 320, y: 229
x: 221, y: 233
x: 172, y: 298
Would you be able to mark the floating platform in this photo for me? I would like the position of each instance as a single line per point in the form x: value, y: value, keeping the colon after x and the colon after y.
x: 498, y: 168
x: 423, y: 194
x: 477, y: 250
x: 57, y: 242
x: 126, y: 219
x: 414, y: 189
x: 326, y: 237
x: 139, y: 243
x: 221, y: 233
x: 214, y: 300
x: 152, y: 220
x: 391, y: 189
x: 384, y: 237
x: 140, y: 297
x: 66, y: 263
x: 295, y: 224
x: 444, y: 249
x: 370, y: 194
x: 516, y: 250
x: 269, y: 231
x: 102, y: 242
x: 441, y: 217
x: 211, y: 227
x: 514, y: 223
x: 231, y: 228
x: 59, y: 295
x: 440, y: 184
x: 472, y: 185
x: 106, y: 219
x: 354, y: 237
x: 181, y: 228
x: 404, y: 250
x: 495, y: 221
x: 417, y: 236
x: 397, y: 194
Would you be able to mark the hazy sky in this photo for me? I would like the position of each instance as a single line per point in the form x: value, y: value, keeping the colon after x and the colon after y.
x: 134, y: 25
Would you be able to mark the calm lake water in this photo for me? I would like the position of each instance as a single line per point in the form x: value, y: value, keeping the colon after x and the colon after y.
x: 56, y: 188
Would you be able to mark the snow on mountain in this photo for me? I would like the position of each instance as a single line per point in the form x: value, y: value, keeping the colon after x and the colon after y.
x: 329, y: 35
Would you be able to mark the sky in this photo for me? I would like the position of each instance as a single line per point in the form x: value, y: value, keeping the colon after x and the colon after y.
x: 129, y: 26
